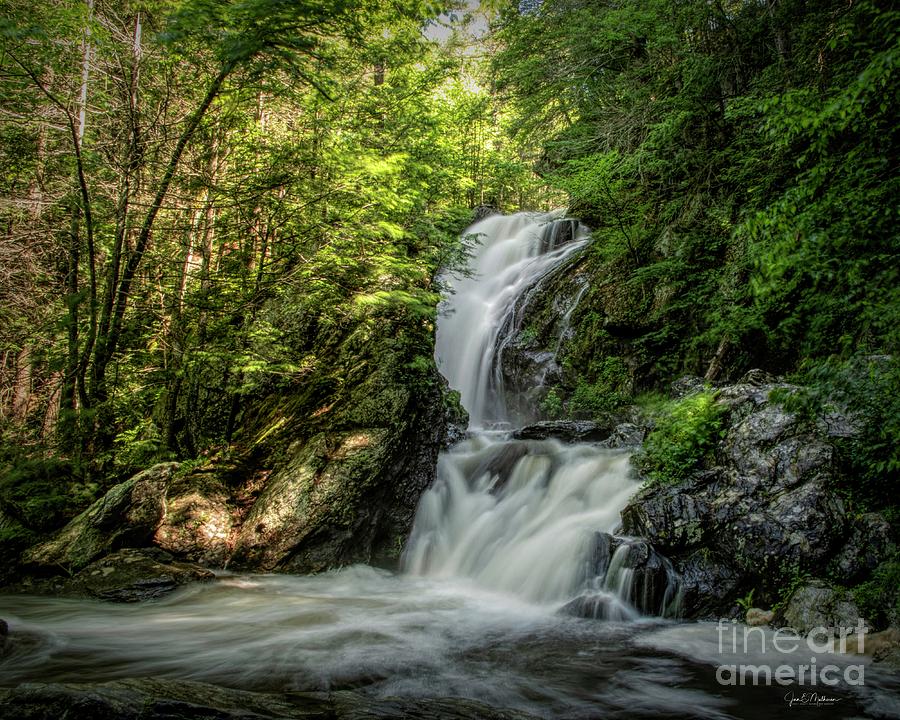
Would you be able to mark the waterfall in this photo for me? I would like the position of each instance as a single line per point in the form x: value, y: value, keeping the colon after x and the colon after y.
x: 514, y: 516
x: 512, y: 255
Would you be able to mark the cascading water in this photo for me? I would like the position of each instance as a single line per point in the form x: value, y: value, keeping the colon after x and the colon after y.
x: 514, y: 516
x: 513, y: 254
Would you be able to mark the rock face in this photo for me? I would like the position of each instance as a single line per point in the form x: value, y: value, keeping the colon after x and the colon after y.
x: 631, y: 578
x: 200, y: 520
x: 159, y: 699
x: 127, y: 516
x: 324, y: 470
x: 819, y: 605
x: 764, y: 513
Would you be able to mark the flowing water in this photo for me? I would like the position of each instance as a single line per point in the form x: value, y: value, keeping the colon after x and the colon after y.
x: 500, y: 543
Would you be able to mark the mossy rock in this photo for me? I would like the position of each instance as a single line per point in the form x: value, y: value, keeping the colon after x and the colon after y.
x: 127, y: 515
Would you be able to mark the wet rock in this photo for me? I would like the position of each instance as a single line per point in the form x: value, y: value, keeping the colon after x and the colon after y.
x: 483, y: 211
x: 500, y: 463
x: 356, y: 706
x: 798, y: 528
x: 687, y: 385
x: 709, y: 583
x: 763, y: 512
x: 625, y: 436
x: 636, y: 573
x: 127, y: 515
x: 128, y: 575
x: 135, y: 575
x: 820, y: 605
x: 567, y: 431
x: 148, y: 699
x: 673, y: 516
x: 456, y: 419
x: 159, y: 699
x: 869, y: 543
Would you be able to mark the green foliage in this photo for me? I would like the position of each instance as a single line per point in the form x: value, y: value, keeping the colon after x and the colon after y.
x: 42, y: 494
x: 139, y: 447
x: 608, y: 391
x: 879, y: 598
x: 737, y: 164
x: 552, y: 405
x: 683, y: 439
x: 746, y: 602
x: 527, y: 336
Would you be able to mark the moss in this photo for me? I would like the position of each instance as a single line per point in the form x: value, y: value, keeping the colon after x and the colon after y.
x: 684, y: 438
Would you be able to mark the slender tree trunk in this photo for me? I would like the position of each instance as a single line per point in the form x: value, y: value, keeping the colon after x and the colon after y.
x: 123, y: 294
x: 72, y: 392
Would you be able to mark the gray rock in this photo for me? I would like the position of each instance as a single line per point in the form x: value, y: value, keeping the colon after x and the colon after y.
x: 598, y: 605
x: 687, y: 385
x: 625, y: 436
x: 568, y: 431
x: 127, y: 515
x: 868, y: 544
x: 820, y: 605
x: 128, y: 575
x: 160, y: 699
x: 709, y: 584
x: 342, y: 496
x: 672, y: 516
x: 135, y: 575
x: 766, y: 511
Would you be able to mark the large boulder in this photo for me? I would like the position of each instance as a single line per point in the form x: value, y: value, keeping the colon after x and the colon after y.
x: 820, y: 605
x: 763, y: 513
x: 345, y: 489
x: 201, y: 520
x: 637, y: 574
x: 629, y: 578
x: 868, y: 543
x: 127, y: 516
x: 132, y: 575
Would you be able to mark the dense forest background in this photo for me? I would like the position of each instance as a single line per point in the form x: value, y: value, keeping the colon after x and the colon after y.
x: 203, y: 201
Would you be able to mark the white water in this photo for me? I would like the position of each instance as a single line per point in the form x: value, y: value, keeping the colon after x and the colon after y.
x: 530, y: 534
x: 511, y: 257
x: 512, y: 516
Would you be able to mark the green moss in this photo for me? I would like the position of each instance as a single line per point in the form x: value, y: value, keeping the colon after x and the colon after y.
x: 608, y: 390
x: 552, y: 405
x: 683, y: 440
